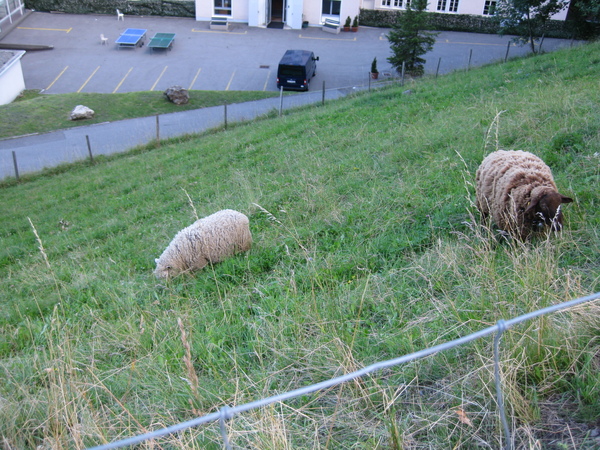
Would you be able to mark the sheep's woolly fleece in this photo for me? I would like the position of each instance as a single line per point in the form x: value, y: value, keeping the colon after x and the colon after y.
x: 517, y: 190
x: 208, y: 240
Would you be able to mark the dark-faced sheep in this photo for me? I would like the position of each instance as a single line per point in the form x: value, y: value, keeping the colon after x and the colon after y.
x: 208, y: 240
x: 517, y: 190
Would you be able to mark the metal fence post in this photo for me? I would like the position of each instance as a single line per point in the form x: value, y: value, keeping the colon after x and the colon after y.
x: 224, y: 415
x: 499, y: 395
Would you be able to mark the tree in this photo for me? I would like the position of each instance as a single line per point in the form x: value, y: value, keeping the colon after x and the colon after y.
x: 527, y: 18
x: 584, y: 18
x: 409, y: 40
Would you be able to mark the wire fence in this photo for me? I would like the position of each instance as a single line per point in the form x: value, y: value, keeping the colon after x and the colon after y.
x: 227, y: 412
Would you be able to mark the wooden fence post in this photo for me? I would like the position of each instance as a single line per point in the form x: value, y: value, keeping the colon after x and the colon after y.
x: 157, y: 131
x: 14, y: 155
x: 280, y: 100
x: 87, y: 138
x: 403, y: 70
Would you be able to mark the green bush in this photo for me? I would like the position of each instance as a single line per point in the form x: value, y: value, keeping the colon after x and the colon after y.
x: 176, y: 8
x: 477, y: 24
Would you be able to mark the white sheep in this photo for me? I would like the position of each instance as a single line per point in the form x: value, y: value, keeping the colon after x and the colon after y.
x: 517, y: 189
x: 208, y: 240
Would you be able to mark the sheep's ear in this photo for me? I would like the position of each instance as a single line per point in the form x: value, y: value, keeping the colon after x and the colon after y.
x: 532, y: 205
x: 566, y: 199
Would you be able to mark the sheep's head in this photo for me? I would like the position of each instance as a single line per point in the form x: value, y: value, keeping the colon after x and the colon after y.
x: 545, y: 210
x: 163, y: 270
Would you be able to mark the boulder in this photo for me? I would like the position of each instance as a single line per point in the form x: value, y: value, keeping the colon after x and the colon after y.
x: 177, y: 95
x: 82, y: 112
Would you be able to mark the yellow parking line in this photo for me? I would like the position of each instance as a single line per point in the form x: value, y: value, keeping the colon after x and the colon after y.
x: 56, y: 79
x: 89, y: 78
x: 326, y: 39
x: 158, y: 79
x: 267, y: 81
x: 214, y: 31
x: 230, y: 80
x: 121, y: 82
x: 194, y: 80
x: 66, y: 30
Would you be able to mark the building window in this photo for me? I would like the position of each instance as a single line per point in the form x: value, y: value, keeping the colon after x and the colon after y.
x: 223, y: 7
x: 441, y: 5
x: 394, y: 3
x: 331, y: 7
x: 489, y: 8
x: 453, y: 6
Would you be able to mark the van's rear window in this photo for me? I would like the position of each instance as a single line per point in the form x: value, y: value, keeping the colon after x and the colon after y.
x: 291, y: 71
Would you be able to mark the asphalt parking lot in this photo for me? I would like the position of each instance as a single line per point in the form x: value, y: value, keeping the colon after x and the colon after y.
x: 242, y: 58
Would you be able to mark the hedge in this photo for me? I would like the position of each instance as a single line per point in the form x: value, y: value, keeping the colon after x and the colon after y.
x: 368, y: 17
x: 176, y: 8
x: 477, y: 24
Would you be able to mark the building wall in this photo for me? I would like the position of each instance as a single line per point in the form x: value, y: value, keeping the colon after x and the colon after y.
x: 9, y: 11
x: 253, y: 11
x: 12, y: 82
x: 473, y: 7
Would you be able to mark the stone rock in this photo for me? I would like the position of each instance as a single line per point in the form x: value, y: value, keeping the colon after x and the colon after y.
x: 82, y: 112
x: 177, y: 95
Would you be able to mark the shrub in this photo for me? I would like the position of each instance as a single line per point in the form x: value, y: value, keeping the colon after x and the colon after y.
x: 476, y: 24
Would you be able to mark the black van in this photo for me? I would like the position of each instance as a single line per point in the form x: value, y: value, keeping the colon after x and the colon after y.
x: 296, y: 68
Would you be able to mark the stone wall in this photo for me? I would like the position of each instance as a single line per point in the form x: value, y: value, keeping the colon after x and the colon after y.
x: 176, y: 8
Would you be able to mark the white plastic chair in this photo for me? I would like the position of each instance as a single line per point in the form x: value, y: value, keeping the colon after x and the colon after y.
x: 103, y: 39
x: 120, y: 15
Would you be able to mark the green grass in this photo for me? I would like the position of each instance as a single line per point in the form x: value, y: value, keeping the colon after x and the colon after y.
x: 38, y: 113
x: 366, y: 247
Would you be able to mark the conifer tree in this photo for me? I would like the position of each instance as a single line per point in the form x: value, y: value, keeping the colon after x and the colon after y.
x: 409, y: 40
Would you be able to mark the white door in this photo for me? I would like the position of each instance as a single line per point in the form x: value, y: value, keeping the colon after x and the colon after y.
x: 267, y: 12
x: 294, y: 10
x: 259, y: 13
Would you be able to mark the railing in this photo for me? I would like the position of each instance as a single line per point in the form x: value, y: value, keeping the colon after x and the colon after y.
x: 226, y: 412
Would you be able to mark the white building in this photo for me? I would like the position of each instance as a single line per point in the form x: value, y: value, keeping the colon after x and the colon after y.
x: 12, y: 82
x: 261, y: 13
x: 10, y: 10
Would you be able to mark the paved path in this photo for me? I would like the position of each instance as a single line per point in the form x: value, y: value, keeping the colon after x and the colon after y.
x: 244, y: 58
x: 36, y: 152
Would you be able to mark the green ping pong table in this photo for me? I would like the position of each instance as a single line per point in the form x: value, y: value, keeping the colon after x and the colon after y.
x: 162, y: 40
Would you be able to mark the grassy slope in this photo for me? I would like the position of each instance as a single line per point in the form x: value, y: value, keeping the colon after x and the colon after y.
x: 36, y: 113
x: 364, y: 250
